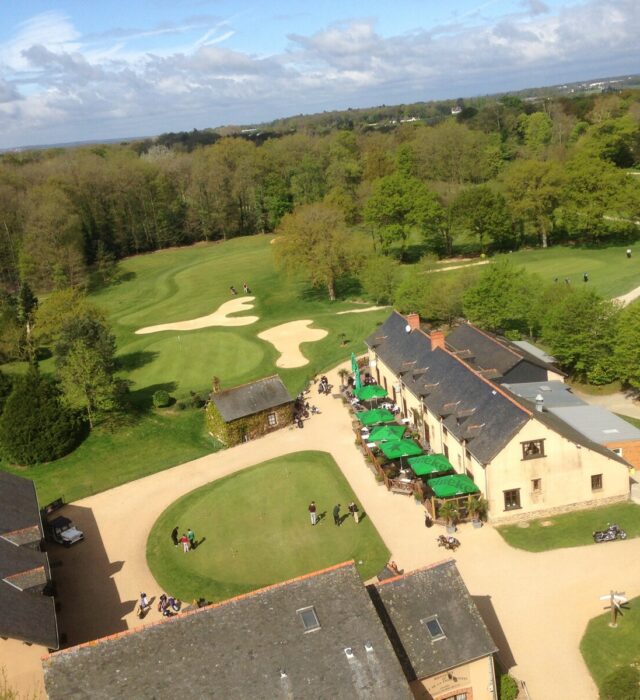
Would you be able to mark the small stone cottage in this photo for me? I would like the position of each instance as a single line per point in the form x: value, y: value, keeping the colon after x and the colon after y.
x: 249, y: 411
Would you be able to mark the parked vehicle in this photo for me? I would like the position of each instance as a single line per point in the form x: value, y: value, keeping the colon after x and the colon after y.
x: 448, y: 542
x: 64, y: 532
x: 613, y: 532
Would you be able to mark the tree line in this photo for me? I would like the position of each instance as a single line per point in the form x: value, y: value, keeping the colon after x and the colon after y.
x: 497, y: 176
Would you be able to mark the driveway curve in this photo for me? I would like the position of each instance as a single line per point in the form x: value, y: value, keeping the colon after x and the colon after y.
x: 536, y: 605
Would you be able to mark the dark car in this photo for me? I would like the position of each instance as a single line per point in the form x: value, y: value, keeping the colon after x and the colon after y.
x: 63, y: 531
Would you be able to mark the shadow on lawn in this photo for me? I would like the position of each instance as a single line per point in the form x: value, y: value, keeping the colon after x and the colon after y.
x: 135, y: 360
x: 142, y: 399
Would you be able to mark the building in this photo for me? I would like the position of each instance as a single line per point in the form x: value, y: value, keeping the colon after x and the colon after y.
x: 500, y: 359
x: 249, y: 411
x: 315, y: 636
x: 28, y: 611
x: 526, y: 462
x: 438, y: 634
x: 594, y: 422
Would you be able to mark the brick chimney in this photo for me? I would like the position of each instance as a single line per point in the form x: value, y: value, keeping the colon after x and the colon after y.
x: 437, y: 339
x: 413, y: 321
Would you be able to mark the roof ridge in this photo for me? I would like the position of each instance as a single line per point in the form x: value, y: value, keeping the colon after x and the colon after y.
x: 494, y: 387
x: 426, y: 567
x: 181, y: 616
x: 254, y: 381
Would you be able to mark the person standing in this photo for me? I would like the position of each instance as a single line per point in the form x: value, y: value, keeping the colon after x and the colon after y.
x: 174, y: 536
x: 628, y: 252
x: 185, y: 543
x: 585, y: 277
x: 353, y: 509
x: 336, y: 514
x: 313, y: 513
x: 191, y: 536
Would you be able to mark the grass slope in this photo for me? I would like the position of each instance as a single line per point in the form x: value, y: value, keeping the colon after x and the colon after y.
x: 181, y: 284
x: 572, y: 529
x: 606, y: 649
x: 256, y: 530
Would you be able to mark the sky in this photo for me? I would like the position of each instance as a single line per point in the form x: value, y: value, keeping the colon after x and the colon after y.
x: 78, y: 70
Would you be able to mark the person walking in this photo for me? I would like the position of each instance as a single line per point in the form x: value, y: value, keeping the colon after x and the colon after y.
x: 336, y: 514
x: 191, y: 536
x: 185, y: 543
x: 174, y: 536
x: 353, y: 509
x: 313, y: 513
x: 628, y: 252
x: 585, y: 277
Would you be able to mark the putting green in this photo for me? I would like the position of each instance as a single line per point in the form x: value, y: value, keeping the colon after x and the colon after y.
x: 256, y: 530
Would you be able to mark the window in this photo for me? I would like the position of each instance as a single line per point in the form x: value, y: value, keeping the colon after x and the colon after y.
x: 309, y: 619
x: 469, y: 474
x: 434, y: 627
x: 596, y: 482
x: 378, y: 375
x: 457, y: 696
x: 272, y: 420
x: 536, y: 485
x: 512, y: 499
x: 533, y: 449
x: 618, y: 451
x: 385, y: 383
x: 445, y: 449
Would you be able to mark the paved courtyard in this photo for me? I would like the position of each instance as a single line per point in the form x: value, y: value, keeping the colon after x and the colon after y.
x: 536, y: 605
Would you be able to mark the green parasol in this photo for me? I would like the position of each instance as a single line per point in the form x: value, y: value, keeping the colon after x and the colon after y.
x: 384, y: 433
x: 430, y: 464
x: 371, y: 391
x: 355, y: 370
x: 377, y: 415
x: 400, y: 448
x: 452, y: 485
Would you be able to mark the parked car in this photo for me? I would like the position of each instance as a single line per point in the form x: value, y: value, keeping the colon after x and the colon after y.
x: 63, y: 531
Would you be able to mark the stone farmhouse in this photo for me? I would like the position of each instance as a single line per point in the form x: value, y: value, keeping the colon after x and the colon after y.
x: 460, y: 395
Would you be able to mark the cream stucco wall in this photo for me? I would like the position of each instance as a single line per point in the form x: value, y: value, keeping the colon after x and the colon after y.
x: 476, y: 679
x: 565, y: 471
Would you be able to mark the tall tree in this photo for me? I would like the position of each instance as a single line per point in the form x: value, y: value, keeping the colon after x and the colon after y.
x: 485, y: 214
x: 627, y: 346
x: 314, y: 240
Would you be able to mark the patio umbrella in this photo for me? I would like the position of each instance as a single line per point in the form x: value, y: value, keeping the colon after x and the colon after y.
x: 384, y: 433
x: 376, y: 416
x: 371, y: 391
x: 400, y: 448
x: 355, y: 370
x: 452, y: 485
x: 430, y: 464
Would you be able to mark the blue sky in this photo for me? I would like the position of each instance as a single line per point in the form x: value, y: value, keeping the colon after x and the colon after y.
x: 78, y: 70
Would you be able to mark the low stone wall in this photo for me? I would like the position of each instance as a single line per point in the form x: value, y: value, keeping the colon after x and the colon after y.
x: 517, y: 517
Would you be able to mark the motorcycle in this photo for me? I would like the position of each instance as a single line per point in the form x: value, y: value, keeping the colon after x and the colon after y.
x: 613, y: 532
x: 448, y: 542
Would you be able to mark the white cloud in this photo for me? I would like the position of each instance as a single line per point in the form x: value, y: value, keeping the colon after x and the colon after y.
x: 60, y: 86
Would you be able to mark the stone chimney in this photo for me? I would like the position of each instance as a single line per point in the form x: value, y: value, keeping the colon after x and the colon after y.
x: 413, y: 321
x: 437, y: 339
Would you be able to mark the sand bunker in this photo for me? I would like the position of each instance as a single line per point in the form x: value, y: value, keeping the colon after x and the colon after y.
x: 361, y: 311
x: 286, y: 339
x: 220, y: 317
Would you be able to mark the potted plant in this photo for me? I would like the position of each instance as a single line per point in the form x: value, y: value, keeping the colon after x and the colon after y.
x: 450, y: 514
x: 477, y: 509
x: 343, y: 374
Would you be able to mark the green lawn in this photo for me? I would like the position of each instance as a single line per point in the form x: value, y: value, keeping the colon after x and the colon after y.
x: 256, y: 530
x: 572, y: 529
x: 181, y: 284
x: 606, y: 649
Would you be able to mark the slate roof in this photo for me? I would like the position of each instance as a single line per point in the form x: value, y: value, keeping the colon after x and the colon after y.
x: 247, y: 399
x: 19, y: 508
x: 488, y: 352
x: 241, y: 648
x: 474, y: 409
x: 26, y: 614
x: 404, y: 604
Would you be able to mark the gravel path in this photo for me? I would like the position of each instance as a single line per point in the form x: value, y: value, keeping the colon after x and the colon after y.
x: 536, y: 605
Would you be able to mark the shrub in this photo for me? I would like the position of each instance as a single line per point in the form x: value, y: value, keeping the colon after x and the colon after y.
x: 508, y: 687
x: 5, y: 389
x: 181, y: 405
x: 195, y: 400
x: 161, y: 398
x: 621, y: 684
x: 36, y: 426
